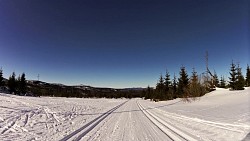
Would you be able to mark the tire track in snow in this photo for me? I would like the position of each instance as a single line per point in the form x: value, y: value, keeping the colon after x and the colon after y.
x: 172, y: 132
x: 81, y: 132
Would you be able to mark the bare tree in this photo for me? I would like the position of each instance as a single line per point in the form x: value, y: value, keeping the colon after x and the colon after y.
x: 210, y: 78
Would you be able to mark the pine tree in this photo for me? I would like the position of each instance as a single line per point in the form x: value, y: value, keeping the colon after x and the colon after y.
x: 167, y: 83
x: 232, y: 82
x: 160, y: 88
x: 18, y: 85
x: 23, y: 84
x: 195, y: 88
x: 148, y: 93
x: 1, y: 78
x: 216, y: 80
x: 222, y: 82
x: 240, y: 82
x: 174, y: 87
x: 183, y: 82
x: 248, y: 76
x: 12, y: 83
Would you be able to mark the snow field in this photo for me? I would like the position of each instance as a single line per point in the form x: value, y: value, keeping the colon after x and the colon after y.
x: 220, y: 115
x: 47, y: 118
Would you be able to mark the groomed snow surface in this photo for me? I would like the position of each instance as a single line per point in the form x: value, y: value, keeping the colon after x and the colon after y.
x: 221, y: 115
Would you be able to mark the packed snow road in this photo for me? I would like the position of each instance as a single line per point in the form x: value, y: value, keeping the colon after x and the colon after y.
x: 219, y: 115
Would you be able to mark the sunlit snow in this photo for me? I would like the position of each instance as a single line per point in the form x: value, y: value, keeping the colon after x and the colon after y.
x: 219, y: 115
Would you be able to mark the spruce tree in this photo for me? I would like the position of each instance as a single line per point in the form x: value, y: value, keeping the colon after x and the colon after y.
x: 194, y: 85
x: 23, y: 84
x: 174, y: 87
x: 18, y: 85
x: 12, y: 83
x: 1, y: 78
x: 247, y: 77
x: 222, y: 82
x: 160, y: 88
x: 167, y: 83
x: 240, y: 82
x: 216, y: 80
x: 232, y: 82
x: 183, y: 83
x: 148, y: 93
x: 195, y: 88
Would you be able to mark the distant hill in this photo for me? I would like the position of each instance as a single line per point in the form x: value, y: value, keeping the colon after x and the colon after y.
x: 56, y: 89
x: 41, y: 88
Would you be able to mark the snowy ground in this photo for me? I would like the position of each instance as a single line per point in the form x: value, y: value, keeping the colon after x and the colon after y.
x: 219, y: 115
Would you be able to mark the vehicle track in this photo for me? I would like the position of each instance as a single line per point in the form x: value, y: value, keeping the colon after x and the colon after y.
x: 81, y: 132
x: 172, y: 132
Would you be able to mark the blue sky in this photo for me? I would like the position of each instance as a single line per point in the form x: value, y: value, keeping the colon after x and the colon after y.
x: 120, y: 43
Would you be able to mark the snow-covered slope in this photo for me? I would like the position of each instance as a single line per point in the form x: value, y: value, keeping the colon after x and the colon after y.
x: 219, y: 115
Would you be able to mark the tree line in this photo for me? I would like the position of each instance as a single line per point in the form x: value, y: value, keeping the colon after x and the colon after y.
x: 196, y: 85
x: 20, y: 86
x: 184, y: 86
x: 15, y: 85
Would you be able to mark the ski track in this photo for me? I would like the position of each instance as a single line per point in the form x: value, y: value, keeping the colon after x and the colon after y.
x: 226, y: 126
x: 232, y: 128
x: 32, y: 118
x: 81, y: 132
x: 127, y: 123
x: 172, y: 132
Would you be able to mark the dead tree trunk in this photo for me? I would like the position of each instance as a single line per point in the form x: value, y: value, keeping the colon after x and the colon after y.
x: 210, y: 84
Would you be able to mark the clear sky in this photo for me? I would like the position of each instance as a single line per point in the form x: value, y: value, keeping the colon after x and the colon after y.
x: 120, y: 43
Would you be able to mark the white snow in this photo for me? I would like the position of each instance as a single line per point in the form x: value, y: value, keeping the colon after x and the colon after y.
x: 219, y: 115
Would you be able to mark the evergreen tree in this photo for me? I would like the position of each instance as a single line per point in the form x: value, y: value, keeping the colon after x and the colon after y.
x: 248, y: 76
x: 160, y: 88
x: 12, y: 83
x: 240, y: 82
x: 216, y: 80
x: 195, y: 88
x: 148, y: 93
x: 18, y: 86
x: 232, y: 82
x: 167, y: 83
x: 222, y: 82
x: 1, y: 78
x: 174, y: 87
x: 21, y: 84
x: 183, y: 83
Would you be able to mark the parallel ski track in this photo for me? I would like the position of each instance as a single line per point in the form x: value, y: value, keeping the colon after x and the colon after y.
x: 172, y: 132
x: 81, y: 132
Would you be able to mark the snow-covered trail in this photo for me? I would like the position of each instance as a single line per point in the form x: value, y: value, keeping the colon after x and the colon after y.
x: 127, y: 123
x: 220, y: 115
